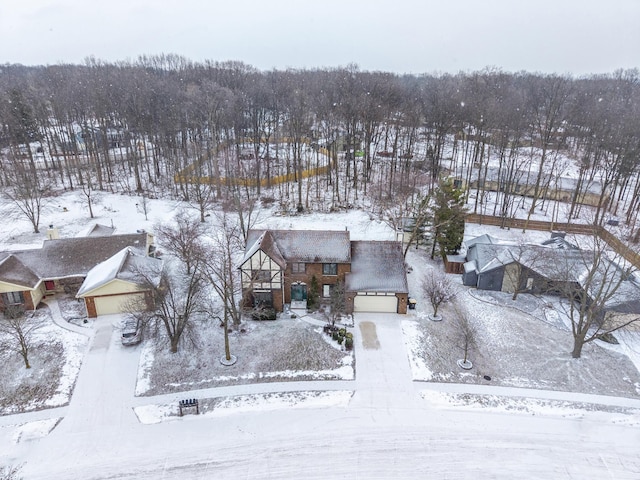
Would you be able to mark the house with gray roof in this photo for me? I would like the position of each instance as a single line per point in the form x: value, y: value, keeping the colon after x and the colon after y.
x: 378, y: 279
x: 555, y: 267
x: 522, y: 182
x: 61, y: 264
x: 279, y: 267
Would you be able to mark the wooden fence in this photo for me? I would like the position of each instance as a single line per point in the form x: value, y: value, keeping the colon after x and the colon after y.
x: 615, y: 243
x: 187, y: 176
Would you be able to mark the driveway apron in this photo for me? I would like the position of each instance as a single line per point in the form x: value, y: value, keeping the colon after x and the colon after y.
x: 105, y: 385
x: 383, y: 373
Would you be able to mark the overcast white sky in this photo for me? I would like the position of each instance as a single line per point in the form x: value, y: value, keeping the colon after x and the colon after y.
x: 417, y: 36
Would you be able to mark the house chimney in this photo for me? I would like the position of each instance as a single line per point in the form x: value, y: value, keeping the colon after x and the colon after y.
x: 150, y: 248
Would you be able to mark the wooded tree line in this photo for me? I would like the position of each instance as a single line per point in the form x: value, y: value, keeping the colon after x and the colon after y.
x: 134, y: 126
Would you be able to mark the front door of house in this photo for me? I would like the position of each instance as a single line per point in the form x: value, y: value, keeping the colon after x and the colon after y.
x: 299, y: 295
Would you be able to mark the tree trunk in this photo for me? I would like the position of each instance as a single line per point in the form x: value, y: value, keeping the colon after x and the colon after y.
x: 174, y: 344
x: 578, y: 343
x: 227, y: 349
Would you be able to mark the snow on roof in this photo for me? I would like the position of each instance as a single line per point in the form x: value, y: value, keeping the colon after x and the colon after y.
x: 470, y: 266
x: 100, y: 231
x: 123, y: 265
x: 309, y: 246
x: 12, y: 270
x: 489, y: 257
x: 567, y: 265
x: 377, y: 266
x: 486, y: 239
x: 66, y: 257
x: 266, y: 243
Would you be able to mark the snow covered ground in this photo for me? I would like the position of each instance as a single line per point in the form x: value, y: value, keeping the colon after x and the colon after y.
x: 383, y: 424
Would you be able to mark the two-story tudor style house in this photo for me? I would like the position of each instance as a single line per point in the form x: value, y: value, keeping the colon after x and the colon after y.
x: 279, y: 265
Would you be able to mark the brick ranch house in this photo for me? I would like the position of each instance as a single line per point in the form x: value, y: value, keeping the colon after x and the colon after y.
x: 278, y: 267
x: 63, y: 265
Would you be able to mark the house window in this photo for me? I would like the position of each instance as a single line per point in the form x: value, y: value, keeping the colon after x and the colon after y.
x: 13, y: 298
x: 298, y: 267
x: 262, y: 276
x: 262, y: 299
x: 330, y: 269
x: 326, y: 291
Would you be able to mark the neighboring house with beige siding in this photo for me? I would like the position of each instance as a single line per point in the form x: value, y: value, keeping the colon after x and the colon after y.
x: 60, y: 265
x: 114, y: 286
x: 19, y: 285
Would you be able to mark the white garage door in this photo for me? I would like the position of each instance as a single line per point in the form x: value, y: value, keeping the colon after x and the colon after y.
x: 116, y: 303
x: 375, y: 303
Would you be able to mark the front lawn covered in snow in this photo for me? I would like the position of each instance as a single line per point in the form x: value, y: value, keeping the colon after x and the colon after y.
x: 55, y: 358
x: 287, y: 349
x: 523, y: 343
x: 520, y: 343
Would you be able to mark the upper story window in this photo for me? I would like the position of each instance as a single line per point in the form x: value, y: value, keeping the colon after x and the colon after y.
x: 298, y: 267
x: 262, y: 276
x: 330, y: 269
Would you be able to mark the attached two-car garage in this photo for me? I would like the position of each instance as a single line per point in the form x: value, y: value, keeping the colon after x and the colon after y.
x: 378, y: 280
x: 375, y: 302
x: 118, y: 303
x: 114, y: 286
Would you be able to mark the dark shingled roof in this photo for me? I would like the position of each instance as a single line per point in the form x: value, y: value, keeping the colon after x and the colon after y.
x: 266, y: 243
x: 67, y: 257
x: 377, y: 267
x: 12, y: 270
x: 309, y: 246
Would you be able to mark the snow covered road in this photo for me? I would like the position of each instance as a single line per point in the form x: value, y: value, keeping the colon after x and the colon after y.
x: 354, y: 443
x: 386, y: 431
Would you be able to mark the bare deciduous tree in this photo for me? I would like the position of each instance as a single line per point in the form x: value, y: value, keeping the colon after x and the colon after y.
x: 10, y: 473
x: 411, y: 215
x: 28, y: 192
x: 223, y: 274
x: 144, y: 206
x: 595, y: 282
x: 221, y: 266
x: 183, y: 240
x: 248, y: 212
x: 18, y: 330
x: 178, y: 300
x: 88, y: 194
x: 438, y: 289
x: 465, y: 334
x: 519, y: 273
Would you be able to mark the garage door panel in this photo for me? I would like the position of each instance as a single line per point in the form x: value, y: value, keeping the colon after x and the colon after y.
x: 116, y: 303
x: 375, y: 303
